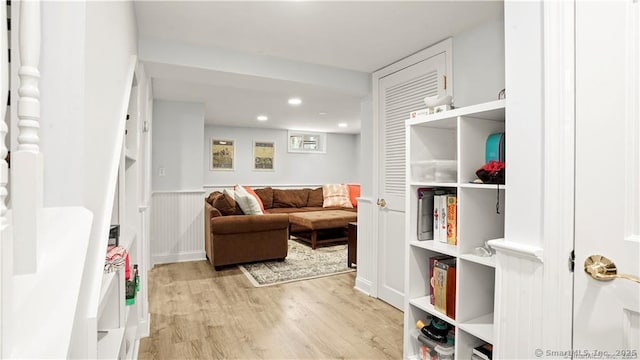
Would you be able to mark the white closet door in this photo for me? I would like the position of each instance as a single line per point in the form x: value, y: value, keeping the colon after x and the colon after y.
x: 400, y: 93
x: 606, y: 314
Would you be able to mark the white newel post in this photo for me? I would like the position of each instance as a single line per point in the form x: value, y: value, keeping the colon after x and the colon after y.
x: 27, y: 166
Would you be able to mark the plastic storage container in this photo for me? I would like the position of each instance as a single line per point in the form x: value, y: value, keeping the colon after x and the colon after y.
x: 434, y: 170
x: 444, y: 352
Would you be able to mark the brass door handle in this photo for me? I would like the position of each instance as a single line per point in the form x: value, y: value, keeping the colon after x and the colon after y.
x: 603, y: 269
x: 381, y: 203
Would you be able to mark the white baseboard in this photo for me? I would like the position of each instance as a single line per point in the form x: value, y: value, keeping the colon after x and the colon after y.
x: 180, y: 257
x: 363, y: 285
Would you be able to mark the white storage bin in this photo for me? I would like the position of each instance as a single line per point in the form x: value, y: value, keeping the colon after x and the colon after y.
x: 434, y: 170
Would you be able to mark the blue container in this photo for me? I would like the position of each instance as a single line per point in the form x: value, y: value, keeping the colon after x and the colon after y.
x: 494, y: 148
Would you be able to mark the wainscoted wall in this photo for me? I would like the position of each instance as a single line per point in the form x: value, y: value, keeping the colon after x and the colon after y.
x: 177, y: 226
x: 367, y: 256
x: 518, y: 305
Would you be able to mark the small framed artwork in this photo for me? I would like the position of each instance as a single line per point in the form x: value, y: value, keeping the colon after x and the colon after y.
x: 264, y: 153
x: 222, y: 154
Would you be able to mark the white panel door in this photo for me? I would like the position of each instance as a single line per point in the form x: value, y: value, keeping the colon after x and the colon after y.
x: 399, y: 93
x: 607, y: 207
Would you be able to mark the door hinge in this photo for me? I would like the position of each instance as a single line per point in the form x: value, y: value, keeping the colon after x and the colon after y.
x: 572, y: 260
x: 445, y: 81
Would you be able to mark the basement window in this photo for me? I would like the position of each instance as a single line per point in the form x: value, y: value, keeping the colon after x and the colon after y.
x: 307, y: 142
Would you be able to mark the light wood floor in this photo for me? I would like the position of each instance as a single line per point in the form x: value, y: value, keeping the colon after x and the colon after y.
x: 197, y: 312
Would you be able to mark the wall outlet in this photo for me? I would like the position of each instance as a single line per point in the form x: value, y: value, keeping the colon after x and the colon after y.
x: 161, y: 171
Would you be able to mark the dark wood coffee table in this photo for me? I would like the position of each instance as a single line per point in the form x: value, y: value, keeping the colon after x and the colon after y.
x: 330, y: 222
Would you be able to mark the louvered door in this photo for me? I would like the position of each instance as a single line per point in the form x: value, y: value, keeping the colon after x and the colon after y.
x: 400, y: 93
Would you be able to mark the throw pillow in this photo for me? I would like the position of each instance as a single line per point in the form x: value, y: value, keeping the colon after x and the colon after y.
x: 247, y: 202
x: 354, y: 192
x: 225, y: 203
x: 253, y: 193
x: 336, y: 195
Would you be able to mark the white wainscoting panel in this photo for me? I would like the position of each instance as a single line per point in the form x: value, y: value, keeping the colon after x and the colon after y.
x: 177, y: 227
x: 367, y: 270
x: 519, y: 307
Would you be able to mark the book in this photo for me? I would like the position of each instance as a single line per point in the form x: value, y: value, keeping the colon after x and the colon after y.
x: 432, y: 261
x: 443, y: 218
x: 440, y: 286
x: 452, y: 219
x: 425, y: 213
x: 436, y: 216
x: 484, y: 351
x: 451, y: 291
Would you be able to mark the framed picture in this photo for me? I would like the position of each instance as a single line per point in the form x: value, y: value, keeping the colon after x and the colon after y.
x: 264, y: 153
x: 222, y: 154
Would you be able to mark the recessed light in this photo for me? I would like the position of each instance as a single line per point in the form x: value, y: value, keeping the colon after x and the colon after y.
x: 343, y: 125
x: 322, y: 113
x: 262, y: 118
x: 295, y: 101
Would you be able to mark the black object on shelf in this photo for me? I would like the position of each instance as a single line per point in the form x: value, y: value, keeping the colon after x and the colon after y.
x: 114, y: 235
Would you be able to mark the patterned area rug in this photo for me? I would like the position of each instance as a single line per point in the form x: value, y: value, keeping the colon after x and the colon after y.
x: 301, y: 263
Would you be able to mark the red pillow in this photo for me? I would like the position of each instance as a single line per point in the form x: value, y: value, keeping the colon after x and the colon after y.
x: 250, y: 191
x: 354, y: 192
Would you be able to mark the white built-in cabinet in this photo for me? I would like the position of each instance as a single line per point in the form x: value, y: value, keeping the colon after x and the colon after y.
x: 459, y: 134
x: 119, y: 324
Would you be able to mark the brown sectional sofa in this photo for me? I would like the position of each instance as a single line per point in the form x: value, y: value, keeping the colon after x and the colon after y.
x: 232, y: 237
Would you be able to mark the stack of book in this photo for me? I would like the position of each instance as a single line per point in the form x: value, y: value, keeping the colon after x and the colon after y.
x: 442, y: 282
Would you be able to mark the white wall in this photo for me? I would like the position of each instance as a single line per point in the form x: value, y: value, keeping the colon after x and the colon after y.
x: 478, y: 64
x: 366, y: 147
x: 177, y: 145
x: 524, y: 129
x: 338, y: 165
x: 62, y: 125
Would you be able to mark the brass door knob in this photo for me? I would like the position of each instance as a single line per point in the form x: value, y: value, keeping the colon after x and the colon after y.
x: 603, y: 269
x: 381, y: 203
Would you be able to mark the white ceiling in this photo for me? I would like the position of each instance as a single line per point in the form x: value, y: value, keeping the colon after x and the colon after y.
x: 359, y: 36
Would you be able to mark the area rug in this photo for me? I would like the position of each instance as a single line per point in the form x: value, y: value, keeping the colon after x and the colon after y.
x: 301, y: 263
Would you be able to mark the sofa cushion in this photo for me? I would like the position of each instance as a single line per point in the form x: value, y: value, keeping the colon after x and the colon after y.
x: 289, y: 210
x: 224, y: 203
x: 290, y: 198
x: 336, y: 195
x: 266, y: 195
x: 315, y: 198
x: 247, y: 202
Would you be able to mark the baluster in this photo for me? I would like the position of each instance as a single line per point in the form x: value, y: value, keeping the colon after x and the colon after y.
x: 4, y: 93
x: 4, y: 169
x: 29, y: 103
x: 26, y: 163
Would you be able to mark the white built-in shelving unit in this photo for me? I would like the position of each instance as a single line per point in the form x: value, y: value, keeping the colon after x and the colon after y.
x: 459, y: 134
x: 119, y: 324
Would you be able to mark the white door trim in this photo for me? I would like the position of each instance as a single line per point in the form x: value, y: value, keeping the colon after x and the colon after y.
x: 559, y: 164
x: 445, y: 46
